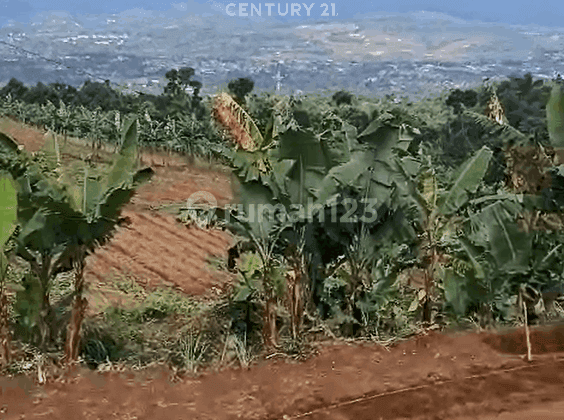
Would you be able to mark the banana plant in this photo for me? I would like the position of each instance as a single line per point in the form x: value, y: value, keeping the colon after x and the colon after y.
x: 491, y: 231
x: 479, y: 238
x: 64, y: 118
x: 440, y: 221
x: 262, y: 173
x: 60, y: 224
x: 8, y: 217
x: 318, y: 171
x: 370, y: 185
x: 493, y: 242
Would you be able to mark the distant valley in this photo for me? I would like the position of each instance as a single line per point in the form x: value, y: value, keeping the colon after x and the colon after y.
x: 411, y: 54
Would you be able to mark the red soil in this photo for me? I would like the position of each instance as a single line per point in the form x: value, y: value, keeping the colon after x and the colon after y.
x: 154, y: 248
x: 33, y: 139
x: 175, y: 184
x: 431, y: 377
x: 157, y: 250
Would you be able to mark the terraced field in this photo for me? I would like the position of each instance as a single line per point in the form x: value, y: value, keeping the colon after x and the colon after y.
x: 432, y: 376
x: 154, y: 248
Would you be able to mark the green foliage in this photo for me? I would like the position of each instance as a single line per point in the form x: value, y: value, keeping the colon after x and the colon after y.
x: 467, y: 181
x: 418, y: 175
x: 8, y: 218
x: 190, y: 351
x: 240, y: 88
x: 250, y: 275
x: 256, y: 282
x: 453, y: 284
x: 59, y: 223
x: 8, y: 210
x: 15, y: 89
x: 457, y: 98
x: 178, y: 80
x: 157, y: 328
x: 498, y: 253
x: 91, y: 112
x: 97, y: 95
x: 321, y: 172
x: 555, y: 116
x: 260, y: 108
x: 439, y: 218
x: 509, y: 246
x: 450, y: 140
x: 27, y: 308
x: 342, y: 97
x: 354, y: 116
x: 41, y: 95
x: 524, y: 101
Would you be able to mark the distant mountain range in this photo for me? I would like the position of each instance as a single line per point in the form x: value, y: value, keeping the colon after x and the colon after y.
x: 405, y: 53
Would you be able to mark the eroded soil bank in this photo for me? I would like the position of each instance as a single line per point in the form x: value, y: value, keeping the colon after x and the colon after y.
x: 433, y: 376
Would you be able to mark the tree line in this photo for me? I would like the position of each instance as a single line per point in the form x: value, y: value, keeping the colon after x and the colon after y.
x: 181, y: 94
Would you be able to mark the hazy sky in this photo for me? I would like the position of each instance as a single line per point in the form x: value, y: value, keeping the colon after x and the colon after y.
x: 539, y: 12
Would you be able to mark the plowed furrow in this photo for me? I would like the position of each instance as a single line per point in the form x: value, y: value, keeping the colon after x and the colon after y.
x: 156, y: 248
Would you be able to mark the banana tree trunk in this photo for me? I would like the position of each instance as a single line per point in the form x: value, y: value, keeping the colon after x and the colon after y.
x: 72, y: 345
x: 5, y: 336
x: 429, y: 276
x: 295, y: 300
x: 427, y: 300
x: 45, y: 319
x: 269, y: 331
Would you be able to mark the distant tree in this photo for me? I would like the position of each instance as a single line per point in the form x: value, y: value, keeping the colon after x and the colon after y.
x: 15, y: 88
x: 66, y: 93
x: 197, y: 106
x: 197, y: 86
x: 160, y: 105
x: 179, y: 80
x: 457, y: 98
x: 95, y: 94
x: 342, y: 97
x: 179, y: 101
x: 525, y: 102
x: 185, y: 75
x: 172, y: 87
x: 40, y: 94
x: 241, y: 87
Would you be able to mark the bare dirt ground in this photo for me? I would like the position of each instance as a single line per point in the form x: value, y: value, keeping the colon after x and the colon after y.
x: 433, y: 376
x: 157, y: 250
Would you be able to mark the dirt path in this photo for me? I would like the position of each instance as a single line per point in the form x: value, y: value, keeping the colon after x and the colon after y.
x: 546, y: 411
x: 472, y: 376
